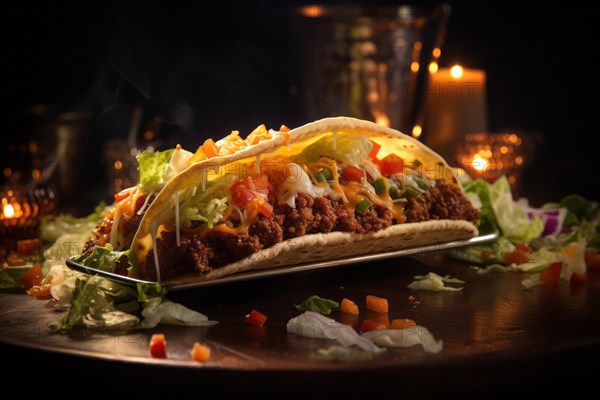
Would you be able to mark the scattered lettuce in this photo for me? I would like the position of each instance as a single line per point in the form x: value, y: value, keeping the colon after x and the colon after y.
x: 318, y: 304
x: 105, y: 259
x: 98, y: 303
x: 434, y: 283
x: 53, y: 227
x: 582, y: 220
x: 487, y: 218
x: 512, y: 217
x: 10, y: 277
x: 154, y: 169
x: 485, y: 253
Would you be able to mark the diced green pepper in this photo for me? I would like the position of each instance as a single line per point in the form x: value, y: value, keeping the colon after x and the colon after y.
x: 416, y: 163
x: 324, y: 175
x: 409, y: 191
x: 379, y: 185
x: 363, y: 205
x: 394, y: 191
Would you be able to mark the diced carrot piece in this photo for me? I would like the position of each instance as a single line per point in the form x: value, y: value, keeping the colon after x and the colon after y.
x: 210, y: 149
x: 377, y: 304
x: 403, y: 323
x: 200, y: 352
x: 550, y: 276
x: 349, y: 307
x: 372, y: 324
x: 284, y: 128
x: 256, y: 318
x: 158, y: 346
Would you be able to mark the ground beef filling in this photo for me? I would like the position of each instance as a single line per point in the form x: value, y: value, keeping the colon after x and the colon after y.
x: 202, y: 253
x: 129, y: 226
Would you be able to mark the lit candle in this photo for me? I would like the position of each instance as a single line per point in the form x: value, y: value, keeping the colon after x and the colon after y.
x: 456, y: 106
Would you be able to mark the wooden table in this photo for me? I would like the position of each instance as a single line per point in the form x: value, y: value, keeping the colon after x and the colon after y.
x: 497, y: 336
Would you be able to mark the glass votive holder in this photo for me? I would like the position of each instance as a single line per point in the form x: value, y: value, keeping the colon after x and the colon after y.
x: 21, y: 209
x: 491, y: 155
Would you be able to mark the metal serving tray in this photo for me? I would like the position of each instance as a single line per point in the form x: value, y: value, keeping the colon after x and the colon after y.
x: 180, y: 284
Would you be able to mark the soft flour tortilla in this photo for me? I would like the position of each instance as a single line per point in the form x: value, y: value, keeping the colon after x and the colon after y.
x: 310, y: 247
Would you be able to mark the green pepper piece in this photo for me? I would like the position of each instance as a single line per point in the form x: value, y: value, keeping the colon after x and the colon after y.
x: 409, y: 192
x: 363, y: 205
x: 379, y: 185
x: 324, y: 175
x: 394, y: 191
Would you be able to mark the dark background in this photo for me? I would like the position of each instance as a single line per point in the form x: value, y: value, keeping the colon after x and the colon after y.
x: 200, y: 72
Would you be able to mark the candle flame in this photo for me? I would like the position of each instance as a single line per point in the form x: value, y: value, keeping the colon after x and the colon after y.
x: 8, y: 210
x: 456, y: 71
x: 416, y: 132
x: 479, y: 163
x: 382, y: 119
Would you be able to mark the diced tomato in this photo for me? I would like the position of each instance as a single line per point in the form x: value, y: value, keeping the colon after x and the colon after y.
x: 592, y: 260
x: 374, y: 150
x: 158, y: 346
x: 40, y: 291
x: 485, y: 255
x: 377, y: 304
x: 353, y: 174
x: 253, y: 189
x: 372, y: 324
x: 391, y: 164
x: 284, y: 128
x: 122, y: 195
x: 578, y: 279
x: 210, y: 149
x: 403, y: 323
x: 33, y: 277
x: 349, y: 307
x: 200, y: 352
x: 519, y: 256
x: 550, y: 276
x: 524, y: 248
x: 264, y: 207
x: 256, y: 318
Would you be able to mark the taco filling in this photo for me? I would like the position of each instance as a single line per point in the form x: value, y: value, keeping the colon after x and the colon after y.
x: 216, y: 214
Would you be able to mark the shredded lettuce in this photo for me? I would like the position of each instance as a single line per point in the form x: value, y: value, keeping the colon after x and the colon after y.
x: 317, y: 304
x: 417, y: 335
x: 208, y: 205
x: 98, y: 303
x: 52, y: 227
x: 350, y: 149
x: 487, y: 218
x: 485, y: 253
x: 10, y: 277
x: 154, y: 169
x: 105, y: 259
x: 434, y: 283
x: 314, y: 325
x: 512, y: 217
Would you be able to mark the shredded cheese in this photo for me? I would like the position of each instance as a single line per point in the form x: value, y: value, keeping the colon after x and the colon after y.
x: 155, y: 250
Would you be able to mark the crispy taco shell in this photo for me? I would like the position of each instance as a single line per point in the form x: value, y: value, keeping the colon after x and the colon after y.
x: 310, y: 247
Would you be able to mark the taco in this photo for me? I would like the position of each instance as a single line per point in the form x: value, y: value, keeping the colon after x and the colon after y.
x: 333, y: 188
